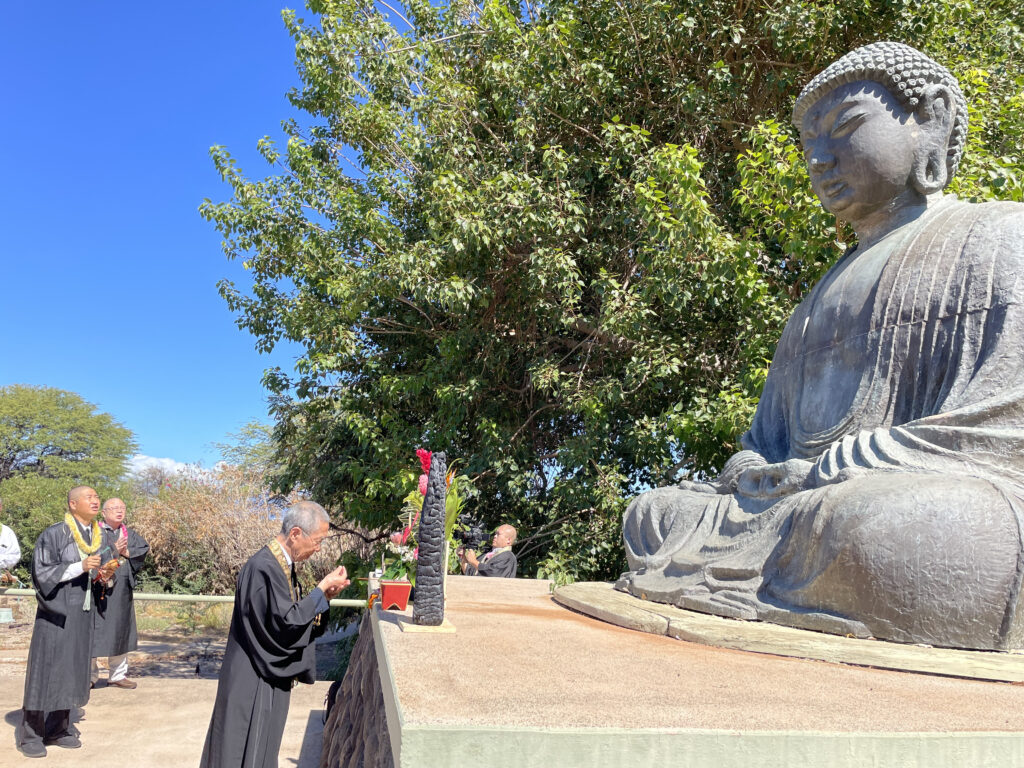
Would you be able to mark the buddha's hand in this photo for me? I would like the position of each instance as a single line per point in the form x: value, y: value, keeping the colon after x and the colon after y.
x: 737, y: 464
x: 726, y: 482
x: 773, y: 481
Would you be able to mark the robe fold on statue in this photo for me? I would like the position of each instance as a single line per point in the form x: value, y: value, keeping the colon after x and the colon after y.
x: 114, y: 625
x: 270, y: 647
x: 901, y: 379
x: 61, y: 649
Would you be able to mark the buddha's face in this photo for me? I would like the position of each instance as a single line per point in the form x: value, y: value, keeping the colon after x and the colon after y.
x: 860, y: 144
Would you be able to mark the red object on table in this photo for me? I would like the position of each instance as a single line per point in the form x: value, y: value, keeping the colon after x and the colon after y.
x: 394, y: 594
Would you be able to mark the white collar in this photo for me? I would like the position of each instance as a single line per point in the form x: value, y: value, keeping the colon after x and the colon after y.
x: 287, y: 555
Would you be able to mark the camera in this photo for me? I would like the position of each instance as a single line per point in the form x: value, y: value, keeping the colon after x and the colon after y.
x: 469, y: 532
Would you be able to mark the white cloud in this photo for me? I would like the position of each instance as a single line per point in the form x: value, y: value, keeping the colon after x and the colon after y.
x: 140, y: 463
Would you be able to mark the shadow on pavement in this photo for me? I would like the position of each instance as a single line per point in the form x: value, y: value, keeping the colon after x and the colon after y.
x: 309, y: 755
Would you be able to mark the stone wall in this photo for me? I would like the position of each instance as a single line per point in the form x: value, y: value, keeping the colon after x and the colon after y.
x: 356, y: 733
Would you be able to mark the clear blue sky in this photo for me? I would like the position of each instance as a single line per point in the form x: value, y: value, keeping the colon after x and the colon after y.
x: 107, y: 272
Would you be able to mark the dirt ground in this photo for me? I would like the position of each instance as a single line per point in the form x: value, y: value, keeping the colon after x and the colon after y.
x: 162, y: 723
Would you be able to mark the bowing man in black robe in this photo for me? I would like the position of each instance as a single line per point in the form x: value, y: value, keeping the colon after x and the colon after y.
x: 270, y: 644
x: 57, y: 678
x: 500, y: 562
x: 115, y: 633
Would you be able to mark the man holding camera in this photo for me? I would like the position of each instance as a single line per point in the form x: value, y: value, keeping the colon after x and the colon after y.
x: 499, y: 562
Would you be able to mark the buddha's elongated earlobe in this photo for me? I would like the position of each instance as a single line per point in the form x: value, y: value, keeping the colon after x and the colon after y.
x: 935, y: 114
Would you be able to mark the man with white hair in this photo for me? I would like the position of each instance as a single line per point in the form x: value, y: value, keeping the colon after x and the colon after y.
x: 115, y: 634
x: 270, y: 644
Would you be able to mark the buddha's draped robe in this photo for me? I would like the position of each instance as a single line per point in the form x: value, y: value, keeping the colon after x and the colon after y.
x: 901, y: 378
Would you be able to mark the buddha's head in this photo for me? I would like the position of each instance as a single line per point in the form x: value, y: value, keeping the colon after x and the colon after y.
x: 882, y: 127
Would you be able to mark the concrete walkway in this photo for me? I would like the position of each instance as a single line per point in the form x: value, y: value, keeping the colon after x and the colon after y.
x: 161, y: 724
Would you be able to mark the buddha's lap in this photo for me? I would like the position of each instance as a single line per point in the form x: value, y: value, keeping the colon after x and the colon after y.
x: 913, y: 556
x: 876, y: 520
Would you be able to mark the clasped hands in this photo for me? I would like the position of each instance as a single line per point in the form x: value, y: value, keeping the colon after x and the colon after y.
x: 748, y: 474
x: 334, y: 582
x: 772, y: 481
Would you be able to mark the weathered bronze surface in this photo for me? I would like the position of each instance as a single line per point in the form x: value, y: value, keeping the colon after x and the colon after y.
x: 880, y: 487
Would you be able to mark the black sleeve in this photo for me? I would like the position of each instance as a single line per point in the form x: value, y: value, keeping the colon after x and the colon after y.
x: 53, y: 553
x: 277, y: 632
x: 138, y: 548
x: 503, y: 566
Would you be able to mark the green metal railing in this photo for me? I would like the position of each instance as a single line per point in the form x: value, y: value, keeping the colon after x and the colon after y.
x: 166, y: 598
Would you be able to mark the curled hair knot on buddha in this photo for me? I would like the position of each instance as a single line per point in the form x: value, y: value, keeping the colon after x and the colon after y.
x: 911, y: 77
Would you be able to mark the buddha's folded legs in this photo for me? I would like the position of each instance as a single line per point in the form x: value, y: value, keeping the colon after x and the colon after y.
x: 915, y: 557
x: 686, y: 547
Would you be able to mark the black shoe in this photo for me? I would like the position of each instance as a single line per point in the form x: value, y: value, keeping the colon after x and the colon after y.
x: 33, y: 749
x: 67, y: 741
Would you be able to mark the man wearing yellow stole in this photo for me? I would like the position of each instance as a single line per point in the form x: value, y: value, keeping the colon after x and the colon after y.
x: 66, y: 558
x: 270, y: 644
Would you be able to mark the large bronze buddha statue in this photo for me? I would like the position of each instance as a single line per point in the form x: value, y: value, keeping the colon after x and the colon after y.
x: 881, y: 486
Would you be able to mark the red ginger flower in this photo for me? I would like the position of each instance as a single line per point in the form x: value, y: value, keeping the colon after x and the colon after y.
x: 423, y: 485
x: 424, y: 457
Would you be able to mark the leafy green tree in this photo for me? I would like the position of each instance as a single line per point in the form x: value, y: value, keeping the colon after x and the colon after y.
x: 252, y: 447
x: 50, y: 441
x: 558, y: 240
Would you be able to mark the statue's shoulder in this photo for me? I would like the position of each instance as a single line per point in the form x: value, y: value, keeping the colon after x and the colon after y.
x: 994, y: 213
x: 992, y: 230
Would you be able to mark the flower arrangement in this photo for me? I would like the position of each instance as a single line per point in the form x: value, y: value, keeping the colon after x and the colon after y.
x: 402, y: 545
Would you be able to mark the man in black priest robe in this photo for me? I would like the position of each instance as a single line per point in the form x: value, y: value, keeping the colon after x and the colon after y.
x: 499, y: 563
x: 66, y: 556
x: 270, y: 644
x: 115, y: 634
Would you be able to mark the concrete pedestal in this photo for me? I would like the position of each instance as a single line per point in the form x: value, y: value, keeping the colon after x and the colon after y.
x: 524, y: 681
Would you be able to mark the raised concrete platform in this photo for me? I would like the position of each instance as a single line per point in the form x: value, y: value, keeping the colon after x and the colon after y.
x: 524, y: 681
x: 602, y: 601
